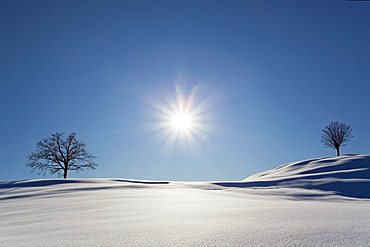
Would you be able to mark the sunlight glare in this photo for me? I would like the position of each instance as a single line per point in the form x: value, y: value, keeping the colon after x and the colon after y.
x: 182, y: 121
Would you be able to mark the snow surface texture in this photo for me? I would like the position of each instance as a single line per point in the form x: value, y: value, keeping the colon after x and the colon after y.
x: 308, y: 203
x: 347, y: 176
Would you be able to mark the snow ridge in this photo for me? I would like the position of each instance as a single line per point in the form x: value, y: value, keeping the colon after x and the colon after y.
x: 347, y: 175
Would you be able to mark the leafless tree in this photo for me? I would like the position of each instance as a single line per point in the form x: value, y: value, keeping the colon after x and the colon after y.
x: 58, y: 154
x: 336, y: 134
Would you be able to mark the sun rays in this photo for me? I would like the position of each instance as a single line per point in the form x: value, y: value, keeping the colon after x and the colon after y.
x: 182, y: 119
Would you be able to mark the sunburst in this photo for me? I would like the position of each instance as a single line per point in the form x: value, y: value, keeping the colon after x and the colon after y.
x: 182, y: 119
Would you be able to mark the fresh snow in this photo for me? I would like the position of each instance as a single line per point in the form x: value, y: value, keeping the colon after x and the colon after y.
x: 321, y: 202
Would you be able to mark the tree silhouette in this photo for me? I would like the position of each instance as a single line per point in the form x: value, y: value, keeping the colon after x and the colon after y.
x: 58, y: 154
x: 336, y: 134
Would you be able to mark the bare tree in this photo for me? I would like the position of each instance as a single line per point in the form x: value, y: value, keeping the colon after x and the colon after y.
x: 58, y: 154
x: 336, y: 134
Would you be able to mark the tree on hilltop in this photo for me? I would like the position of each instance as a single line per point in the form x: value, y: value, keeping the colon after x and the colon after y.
x: 58, y: 154
x: 336, y: 134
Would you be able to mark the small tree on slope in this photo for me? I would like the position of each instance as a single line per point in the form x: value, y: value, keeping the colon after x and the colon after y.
x: 58, y: 154
x: 336, y: 134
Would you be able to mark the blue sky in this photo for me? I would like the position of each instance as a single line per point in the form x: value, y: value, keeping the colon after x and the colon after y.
x: 274, y: 72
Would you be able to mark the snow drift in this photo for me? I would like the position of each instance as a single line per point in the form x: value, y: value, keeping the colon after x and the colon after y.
x: 347, y: 175
x: 121, y: 212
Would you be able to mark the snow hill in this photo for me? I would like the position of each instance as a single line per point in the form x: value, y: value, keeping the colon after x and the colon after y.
x: 328, y: 205
x: 347, y: 176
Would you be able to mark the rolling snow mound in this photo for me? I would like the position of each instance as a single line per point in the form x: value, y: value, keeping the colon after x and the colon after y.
x: 347, y: 175
x: 328, y: 205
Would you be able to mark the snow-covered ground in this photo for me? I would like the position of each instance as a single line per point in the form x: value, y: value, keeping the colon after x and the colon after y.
x: 322, y: 202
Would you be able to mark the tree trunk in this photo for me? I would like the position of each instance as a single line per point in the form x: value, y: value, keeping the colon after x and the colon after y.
x: 338, y: 154
x: 65, y: 173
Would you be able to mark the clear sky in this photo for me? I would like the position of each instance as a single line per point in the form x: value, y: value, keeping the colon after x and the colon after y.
x: 272, y: 73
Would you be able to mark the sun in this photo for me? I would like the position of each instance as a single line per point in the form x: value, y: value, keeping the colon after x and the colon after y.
x: 181, y: 118
x: 182, y: 121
